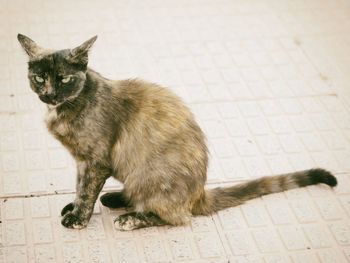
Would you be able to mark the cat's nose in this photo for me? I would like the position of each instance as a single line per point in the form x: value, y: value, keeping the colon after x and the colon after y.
x: 46, y: 89
x: 47, y: 98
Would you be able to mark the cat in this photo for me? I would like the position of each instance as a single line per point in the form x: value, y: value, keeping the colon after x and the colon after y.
x: 142, y: 135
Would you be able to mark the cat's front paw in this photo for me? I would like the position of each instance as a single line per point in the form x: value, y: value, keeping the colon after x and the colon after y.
x: 71, y: 220
x: 67, y: 208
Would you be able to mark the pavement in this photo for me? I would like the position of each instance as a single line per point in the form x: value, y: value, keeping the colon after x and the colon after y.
x: 269, y: 83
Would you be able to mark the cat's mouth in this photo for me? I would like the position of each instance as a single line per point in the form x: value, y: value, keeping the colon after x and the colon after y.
x: 48, y: 100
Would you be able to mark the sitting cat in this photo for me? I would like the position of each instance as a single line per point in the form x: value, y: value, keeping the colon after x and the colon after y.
x: 141, y: 134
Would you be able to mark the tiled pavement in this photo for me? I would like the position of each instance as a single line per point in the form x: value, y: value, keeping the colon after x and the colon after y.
x: 269, y: 82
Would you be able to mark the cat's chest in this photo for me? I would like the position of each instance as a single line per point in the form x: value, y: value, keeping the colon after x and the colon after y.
x: 56, y: 125
x: 69, y: 133
x: 81, y: 135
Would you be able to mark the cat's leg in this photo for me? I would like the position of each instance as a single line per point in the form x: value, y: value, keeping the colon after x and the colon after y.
x: 135, y: 220
x: 91, y: 179
x: 81, y: 169
x: 114, y: 200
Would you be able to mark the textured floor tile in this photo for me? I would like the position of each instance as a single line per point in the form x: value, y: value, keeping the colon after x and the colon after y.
x: 241, y: 242
x: 268, y: 81
x: 274, y: 244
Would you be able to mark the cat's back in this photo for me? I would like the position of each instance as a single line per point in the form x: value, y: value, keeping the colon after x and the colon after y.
x: 141, y: 89
x: 151, y: 100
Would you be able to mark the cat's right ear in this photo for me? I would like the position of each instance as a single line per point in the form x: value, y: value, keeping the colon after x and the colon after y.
x: 29, y: 46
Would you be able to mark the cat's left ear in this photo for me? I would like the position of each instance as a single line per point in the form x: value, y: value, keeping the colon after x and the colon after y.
x: 80, y: 54
x: 30, y: 47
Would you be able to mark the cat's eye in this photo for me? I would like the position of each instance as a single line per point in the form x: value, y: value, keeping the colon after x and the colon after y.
x: 39, y: 79
x: 66, y: 79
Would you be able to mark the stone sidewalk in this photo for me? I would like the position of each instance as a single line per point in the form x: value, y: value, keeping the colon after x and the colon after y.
x: 269, y: 83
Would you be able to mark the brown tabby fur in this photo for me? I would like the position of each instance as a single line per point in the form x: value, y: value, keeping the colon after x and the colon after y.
x: 141, y: 134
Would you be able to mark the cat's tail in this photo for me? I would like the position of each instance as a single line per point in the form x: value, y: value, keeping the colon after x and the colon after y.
x: 219, y: 198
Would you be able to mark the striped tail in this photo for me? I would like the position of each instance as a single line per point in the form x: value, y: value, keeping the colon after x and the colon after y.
x: 221, y: 198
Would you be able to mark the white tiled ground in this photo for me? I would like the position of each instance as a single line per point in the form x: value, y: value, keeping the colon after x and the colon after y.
x: 269, y: 82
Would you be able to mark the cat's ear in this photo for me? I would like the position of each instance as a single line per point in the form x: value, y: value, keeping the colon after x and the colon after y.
x: 80, y: 54
x: 29, y: 46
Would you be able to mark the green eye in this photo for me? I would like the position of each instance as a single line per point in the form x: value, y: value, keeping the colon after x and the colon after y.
x: 39, y: 79
x: 66, y: 79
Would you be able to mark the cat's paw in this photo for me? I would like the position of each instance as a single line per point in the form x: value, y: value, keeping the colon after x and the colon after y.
x: 67, y: 208
x: 125, y: 223
x: 71, y: 220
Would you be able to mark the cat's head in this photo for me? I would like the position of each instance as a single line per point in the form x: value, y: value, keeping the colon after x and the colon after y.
x: 56, y: 76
